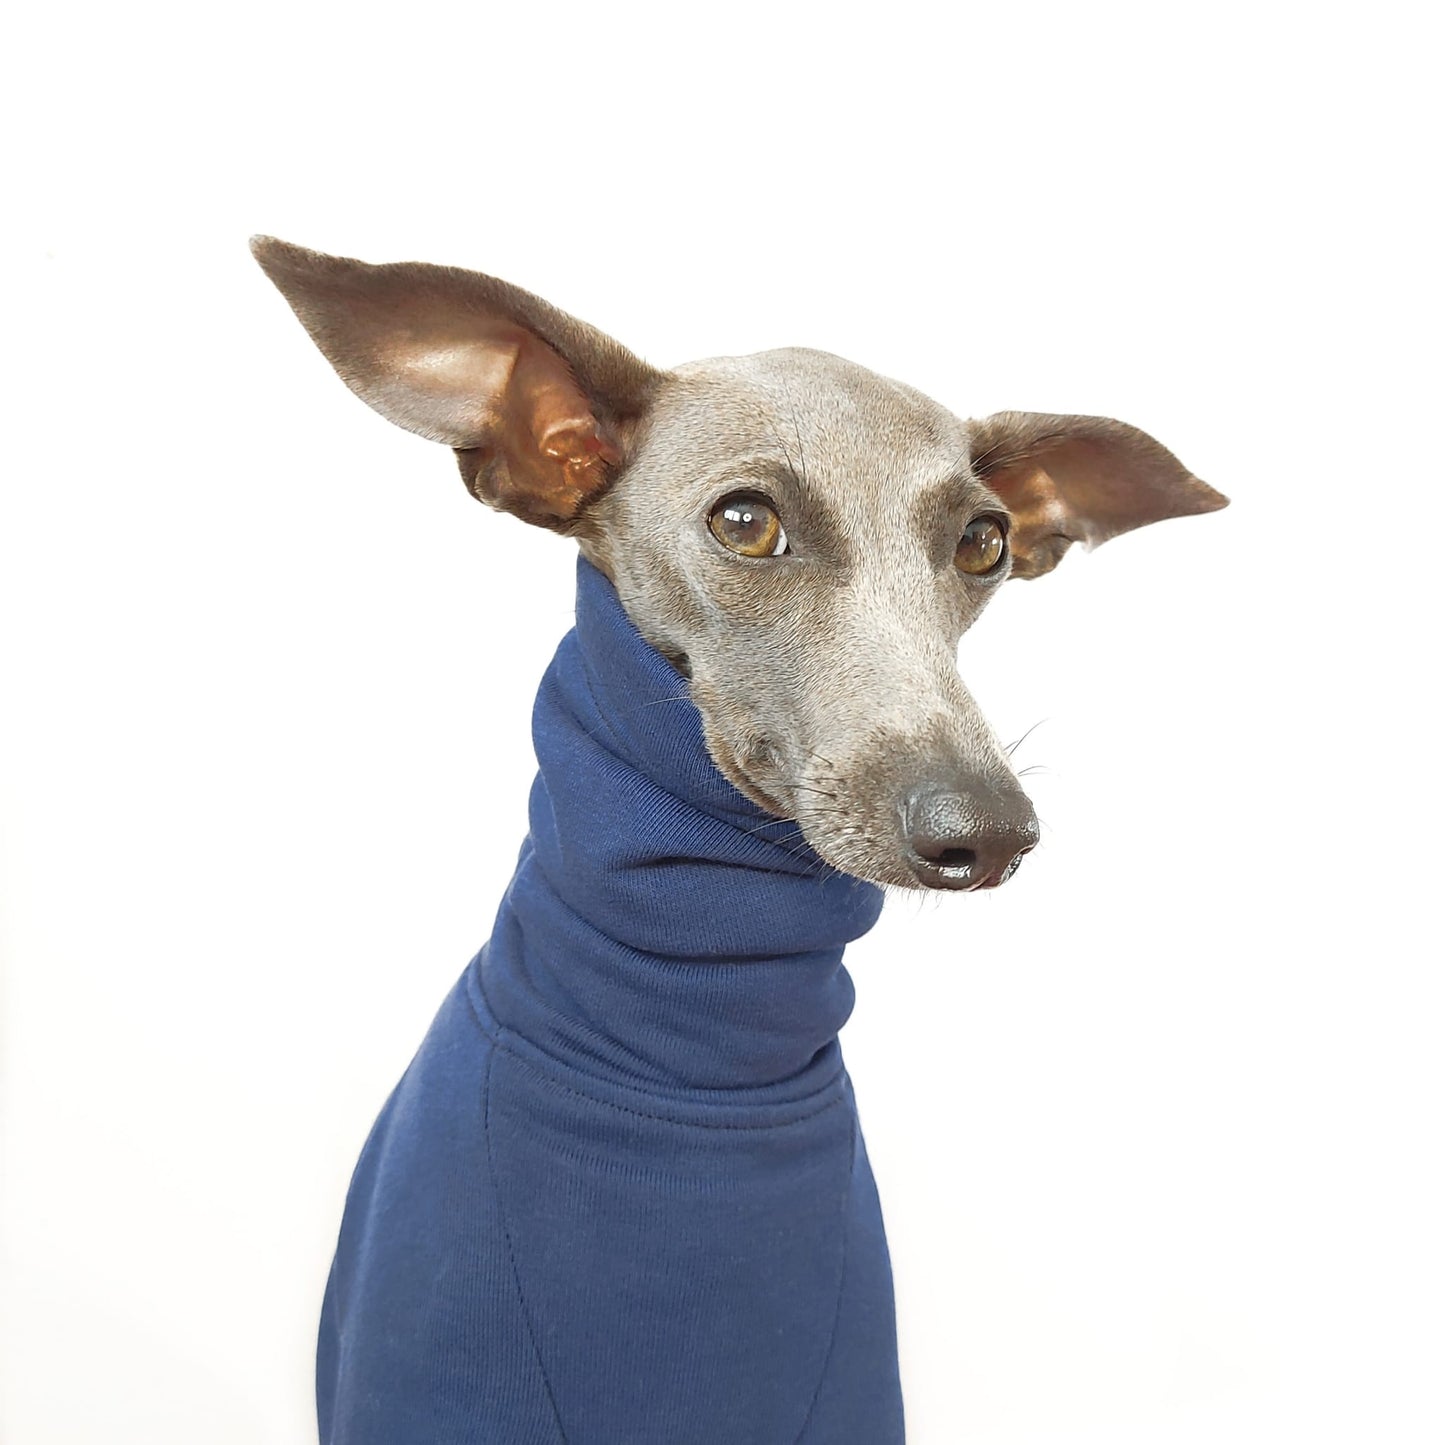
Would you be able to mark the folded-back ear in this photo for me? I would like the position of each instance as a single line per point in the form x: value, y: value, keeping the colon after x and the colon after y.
x: 541, y: 408
x: 1069, y: 479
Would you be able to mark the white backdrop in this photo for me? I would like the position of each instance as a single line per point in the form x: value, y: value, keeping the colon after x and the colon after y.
x: 267, y: 671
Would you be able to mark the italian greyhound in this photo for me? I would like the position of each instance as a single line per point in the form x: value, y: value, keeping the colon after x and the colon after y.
x: 789, y: 547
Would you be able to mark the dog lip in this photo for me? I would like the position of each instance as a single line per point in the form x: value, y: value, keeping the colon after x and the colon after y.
x: 730, y: 765
x: 747, y: 768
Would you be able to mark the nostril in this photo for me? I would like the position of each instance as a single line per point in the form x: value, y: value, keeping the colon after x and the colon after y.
x: 1013, y: 864
x: 958, y: 858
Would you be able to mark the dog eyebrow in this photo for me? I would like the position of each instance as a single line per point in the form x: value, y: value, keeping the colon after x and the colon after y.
x: 764, y: 469
x: 952, y: 492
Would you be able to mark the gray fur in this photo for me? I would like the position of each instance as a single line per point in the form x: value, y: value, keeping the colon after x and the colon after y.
x: 827, y: 680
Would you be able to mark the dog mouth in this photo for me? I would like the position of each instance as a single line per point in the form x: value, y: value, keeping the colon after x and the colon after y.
x: 832, y: 829
x: 948, y: 832
x: 754, y: 769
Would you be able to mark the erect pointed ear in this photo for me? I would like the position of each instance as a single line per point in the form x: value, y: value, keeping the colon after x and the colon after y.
x: 541, y: 408
x: 1082, y: 479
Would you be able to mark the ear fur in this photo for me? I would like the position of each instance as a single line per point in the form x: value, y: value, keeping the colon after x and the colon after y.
x: 539, y: 407
x: 1085, y: 479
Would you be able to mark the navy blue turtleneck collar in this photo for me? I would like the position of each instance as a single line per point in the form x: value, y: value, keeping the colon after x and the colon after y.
x: 661, y: 930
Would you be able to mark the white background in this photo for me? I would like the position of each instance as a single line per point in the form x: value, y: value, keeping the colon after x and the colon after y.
x: 1157, y: 1126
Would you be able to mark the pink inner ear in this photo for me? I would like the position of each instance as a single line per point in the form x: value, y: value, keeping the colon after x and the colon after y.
x: 1041, y: 523
x: 1033, y: 501
x: 556, y: 451
x: 1076, y: 491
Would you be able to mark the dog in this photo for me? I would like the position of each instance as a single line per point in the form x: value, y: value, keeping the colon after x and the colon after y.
x: 620, y: 1196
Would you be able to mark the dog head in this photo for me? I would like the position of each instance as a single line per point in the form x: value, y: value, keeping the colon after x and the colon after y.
x: 805, y: 539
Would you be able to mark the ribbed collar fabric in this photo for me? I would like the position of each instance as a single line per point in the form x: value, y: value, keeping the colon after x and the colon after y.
x: 661, y: 931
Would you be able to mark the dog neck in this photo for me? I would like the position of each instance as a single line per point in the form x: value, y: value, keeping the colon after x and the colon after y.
x: 661, y: 930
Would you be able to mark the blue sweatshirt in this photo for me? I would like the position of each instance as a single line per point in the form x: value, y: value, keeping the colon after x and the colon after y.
x: 620, y: 1196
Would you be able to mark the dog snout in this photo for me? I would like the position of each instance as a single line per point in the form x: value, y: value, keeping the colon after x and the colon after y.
x: 967, y: 838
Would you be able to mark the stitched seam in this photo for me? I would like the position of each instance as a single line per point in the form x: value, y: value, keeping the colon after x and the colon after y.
x: 498, y: 1033
x: 511, y: 1252
x: 526, y: 1064
x: 842, y: 1282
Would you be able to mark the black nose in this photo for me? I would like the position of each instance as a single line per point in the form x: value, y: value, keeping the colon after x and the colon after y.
x: 967, y: 839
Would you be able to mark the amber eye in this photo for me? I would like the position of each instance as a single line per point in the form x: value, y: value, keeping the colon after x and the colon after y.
x: 748, y: 525
x: 982, y: 547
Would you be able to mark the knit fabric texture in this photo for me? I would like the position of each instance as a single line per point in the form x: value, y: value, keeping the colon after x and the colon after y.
x: 620, y: 1196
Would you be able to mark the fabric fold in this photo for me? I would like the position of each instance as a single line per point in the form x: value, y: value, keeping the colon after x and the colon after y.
x: 620, y: 1196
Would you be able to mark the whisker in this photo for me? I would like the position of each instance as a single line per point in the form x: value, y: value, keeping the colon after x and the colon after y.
x: 596, y: 733
x: 769, y: 823
x: 1013, y: 747
x: 797, y: 434
x: 782, y: 447
x: 658, y: 701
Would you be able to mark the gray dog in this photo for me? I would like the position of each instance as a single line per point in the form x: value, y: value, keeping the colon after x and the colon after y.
x: 620, y: 1195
